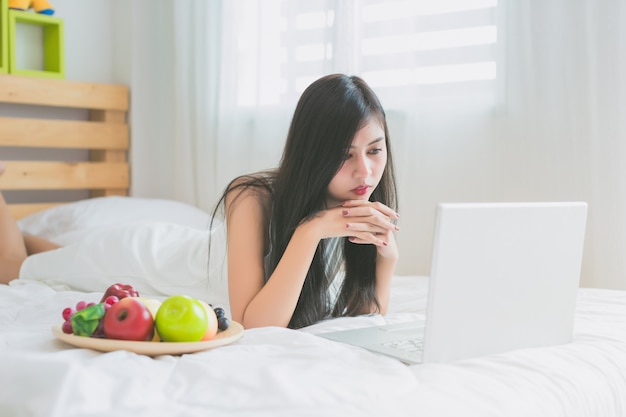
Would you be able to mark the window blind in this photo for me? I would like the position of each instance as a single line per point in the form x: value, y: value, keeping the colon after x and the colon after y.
x: 406, y: 50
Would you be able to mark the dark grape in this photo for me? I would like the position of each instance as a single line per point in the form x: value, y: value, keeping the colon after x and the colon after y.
x: 219, y: 312
x: 223, y: 323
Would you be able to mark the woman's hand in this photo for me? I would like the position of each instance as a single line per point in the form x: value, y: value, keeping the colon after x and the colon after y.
x: 372, y: 223
x: 363, y: 222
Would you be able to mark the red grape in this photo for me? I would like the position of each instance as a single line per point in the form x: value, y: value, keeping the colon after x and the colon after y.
x: 111, y: 299
x: 67, y: 327
x: 67, y: 313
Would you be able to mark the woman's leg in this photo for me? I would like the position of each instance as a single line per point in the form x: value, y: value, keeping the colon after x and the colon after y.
x: 36, y: 244
x: 14, y: 248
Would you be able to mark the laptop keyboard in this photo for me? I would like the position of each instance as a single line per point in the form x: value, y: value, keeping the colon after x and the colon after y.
x: 407, y: 345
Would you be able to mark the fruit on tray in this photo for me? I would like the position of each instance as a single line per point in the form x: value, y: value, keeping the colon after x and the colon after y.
x: 153, y: 305
x: 85, y: 321
x: 120, y: 291
x: 129, y: 319
x: 222, y: 321
x: 122, y: 314
x: 181, y: 319
x: 212, y: 325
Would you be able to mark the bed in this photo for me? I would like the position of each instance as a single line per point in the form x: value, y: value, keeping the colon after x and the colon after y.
x: 268, y: 371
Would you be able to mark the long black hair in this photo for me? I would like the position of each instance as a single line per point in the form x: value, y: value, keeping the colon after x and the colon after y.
x: 327, y: 117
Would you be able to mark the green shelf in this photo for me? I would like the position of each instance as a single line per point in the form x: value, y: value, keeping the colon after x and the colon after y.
x: 52, y: 44
x: 4, y: 36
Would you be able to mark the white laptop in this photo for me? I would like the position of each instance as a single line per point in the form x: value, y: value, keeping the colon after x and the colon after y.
x: 504, y: 276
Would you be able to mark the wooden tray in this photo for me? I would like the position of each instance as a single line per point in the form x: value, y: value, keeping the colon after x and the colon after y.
x: 230, y: 335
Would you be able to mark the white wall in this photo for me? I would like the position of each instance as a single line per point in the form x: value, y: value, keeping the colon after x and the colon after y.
x: 88, y: 30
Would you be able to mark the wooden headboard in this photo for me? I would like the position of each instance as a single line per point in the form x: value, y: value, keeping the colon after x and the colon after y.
x: 105, y: 135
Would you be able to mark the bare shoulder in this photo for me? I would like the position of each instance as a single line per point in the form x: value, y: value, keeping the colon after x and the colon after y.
x: 249, y: 193
x: 247, y: 207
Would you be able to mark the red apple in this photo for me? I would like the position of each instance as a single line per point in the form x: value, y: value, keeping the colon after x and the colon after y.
x: 129, y: 319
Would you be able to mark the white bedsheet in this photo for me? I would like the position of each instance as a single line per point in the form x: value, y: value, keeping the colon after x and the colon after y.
x: 281, y: 372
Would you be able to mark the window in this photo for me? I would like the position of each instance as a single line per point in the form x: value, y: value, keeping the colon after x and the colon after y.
x: 405, y: 50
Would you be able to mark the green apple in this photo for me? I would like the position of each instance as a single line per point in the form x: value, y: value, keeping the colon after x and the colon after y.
x: 181, y: 318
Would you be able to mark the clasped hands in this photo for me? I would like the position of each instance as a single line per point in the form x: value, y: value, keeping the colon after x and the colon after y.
x: 363, y: 222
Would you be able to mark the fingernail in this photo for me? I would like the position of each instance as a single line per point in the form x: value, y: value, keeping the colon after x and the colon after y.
x: 345, y: 212
x: 397, y: 228
x: 347, y: 225
x: 385, y: 243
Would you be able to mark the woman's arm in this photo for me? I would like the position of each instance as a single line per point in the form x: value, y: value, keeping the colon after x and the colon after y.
x: 385, y: 266
x: 276, y: 301
x: 255, y: 303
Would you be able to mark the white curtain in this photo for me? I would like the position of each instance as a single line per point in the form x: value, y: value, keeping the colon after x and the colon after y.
x: 529, y: 109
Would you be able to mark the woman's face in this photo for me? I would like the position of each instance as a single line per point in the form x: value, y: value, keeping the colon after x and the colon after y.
x: 363, y: 166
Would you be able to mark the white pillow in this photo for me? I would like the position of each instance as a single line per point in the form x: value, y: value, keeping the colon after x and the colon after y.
x: 158, y: 259
x: 70, y: 222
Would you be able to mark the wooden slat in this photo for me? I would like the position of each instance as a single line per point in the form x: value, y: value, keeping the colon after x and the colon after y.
x: 110, y: 117
x: 108, y: 156
x: 19, y: 211
x: 109, y: 192
x: 62, y: 93
x: 22, y: 132
x: 35, y: 175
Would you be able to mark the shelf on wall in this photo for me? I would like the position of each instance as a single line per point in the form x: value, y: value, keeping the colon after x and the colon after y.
x: 52, y: 44
x: 4, y: 36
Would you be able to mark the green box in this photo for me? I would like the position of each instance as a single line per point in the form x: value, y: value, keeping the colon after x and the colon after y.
x: 4, y: 36
x: 52, y: 42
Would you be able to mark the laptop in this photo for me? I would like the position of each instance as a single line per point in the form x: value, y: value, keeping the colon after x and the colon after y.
x: 504, y: 276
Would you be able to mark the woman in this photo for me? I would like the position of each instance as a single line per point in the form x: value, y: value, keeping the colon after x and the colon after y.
x: 328, y: 206
x: 309, y: 240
